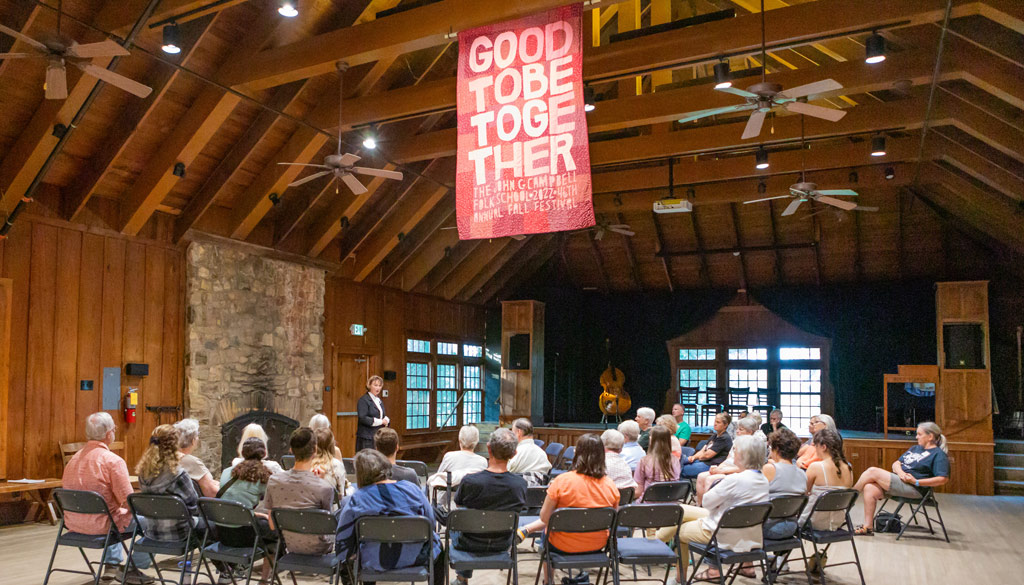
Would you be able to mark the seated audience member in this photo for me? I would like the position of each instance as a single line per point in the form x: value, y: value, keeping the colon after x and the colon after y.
x: 748, y: 486
x: 784, y: 477
x: 385, y: 440
x: 830, y: 472
x: 245, y: 483
x: 757, y: 427
x: 95, y: 468
x: 669, y: 422
x: 461, y: 462
x: 744, y: 428
x: 632, y: 452
x: 326, y: 466
x: 254, y: 430
x: 586, y: 486
x: 774, y: 423
x: 731, y: 429
x: 644, y: 419
x: 683, y: 429
x: 807, y: 453
x: 530, y: 461
x: 615, y: 466
x: 188, y: 440
x: 320, y: 421
x: 379, y: 495
x: 660, y: 464
x: 923, y: 466
x: 713, y: 452
x: 299, y: 488
x: 493, y: 488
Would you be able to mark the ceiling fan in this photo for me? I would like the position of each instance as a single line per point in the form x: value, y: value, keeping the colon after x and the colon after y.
x: 620, y: 228
x: 342, y: 166
x: 59, y: 52
x: 516, y: 237
x: 764, y: 97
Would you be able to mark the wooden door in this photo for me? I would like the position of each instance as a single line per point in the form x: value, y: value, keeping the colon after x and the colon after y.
x: 350, y: 374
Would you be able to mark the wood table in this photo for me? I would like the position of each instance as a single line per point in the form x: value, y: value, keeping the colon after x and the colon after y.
x: 39, y: 496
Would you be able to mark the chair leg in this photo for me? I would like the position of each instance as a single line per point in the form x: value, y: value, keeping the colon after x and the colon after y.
x: 53, y: 555
x: 807, y: 569
x: 856, y: 558
x: 927, y: 518
x: 817, y: 557
x: 940, y: 521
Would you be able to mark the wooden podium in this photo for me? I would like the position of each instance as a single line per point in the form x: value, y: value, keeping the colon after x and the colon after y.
x: 522, y: 361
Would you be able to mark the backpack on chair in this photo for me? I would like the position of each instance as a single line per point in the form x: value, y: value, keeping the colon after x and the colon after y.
x: 888, y: 522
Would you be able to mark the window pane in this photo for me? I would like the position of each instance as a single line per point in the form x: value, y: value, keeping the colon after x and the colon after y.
x: 417, y: 345
x: 742, y: 378
x: 444, y: 348
x: 446, y: 408
x: 471, y: 377
x: 799, y: 353
x: 446, y: 377
x: 697, y: 354
x: 417, y: 409
x: 469, y: 350
x: 800, y: 396
x: 751, y: 353
x: 417, y: 375
x: 472, y: 406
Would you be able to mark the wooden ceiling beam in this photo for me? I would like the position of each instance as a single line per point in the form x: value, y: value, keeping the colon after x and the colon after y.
x: 627, y: 246
x: 419, y: 261
x: 978, y: 207
x: 660, y: 239
x: 489, y: 270
x: 344, y: 207
x: 982, y: 168
x: 734, y: 213
x: 778, y: 268
x: 483, y: 255
x: 596, y: 253
x: 120, y: 20
x: 441, y: 216
x: 523, y: 266
x: 451, y: 260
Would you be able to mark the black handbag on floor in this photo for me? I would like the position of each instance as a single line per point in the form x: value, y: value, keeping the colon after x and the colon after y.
x: 888, y: 522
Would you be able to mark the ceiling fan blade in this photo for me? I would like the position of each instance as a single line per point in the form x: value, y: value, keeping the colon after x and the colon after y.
x: 518, y: 237
x: 754, y: 124
x: 19, y: 55
x: 624, y: 232
x: 119, y: 81
x: 312, y: 177
x: 865, y: 208
x: 712, y: 112
x: 24, y: 38
x: 56, y: 81
x: 816, y: 88
x: 348, y: 159
x: 766, y: 199
x: 353, y: 184
x: 378, y: 173
x: 791, y: 209
x: 295, y: 164
x: 737, y: 91
x: 836, y: 192
x: 618, y: 225
x: 847, y: 205
x: 107, y: 48
x: 816, y: 111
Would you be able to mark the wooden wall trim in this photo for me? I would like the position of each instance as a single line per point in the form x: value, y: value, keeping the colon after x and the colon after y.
x: 6, y: 297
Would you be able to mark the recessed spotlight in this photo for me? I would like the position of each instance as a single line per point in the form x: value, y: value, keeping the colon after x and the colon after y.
x: 761, y: 158
x: 878, y: 145
x: 874, y: 49
x: 723, y: 77
x: 172, y: 39
x: 288, y: 9
x: 890, y: 173
x: 589, y: 99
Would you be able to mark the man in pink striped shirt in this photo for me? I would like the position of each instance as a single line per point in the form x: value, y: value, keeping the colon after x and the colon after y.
x: 96, y: 468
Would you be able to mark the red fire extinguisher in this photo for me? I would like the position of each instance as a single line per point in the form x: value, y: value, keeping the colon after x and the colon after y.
x: 131, y: 402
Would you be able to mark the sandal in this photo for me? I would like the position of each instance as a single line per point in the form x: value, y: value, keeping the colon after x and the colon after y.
x: 864, y: 531
x: 748, y: 572
x: 706, y: 575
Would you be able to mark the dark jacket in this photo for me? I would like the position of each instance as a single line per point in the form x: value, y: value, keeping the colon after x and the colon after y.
x: 367, y: 412
x: 766, y: 428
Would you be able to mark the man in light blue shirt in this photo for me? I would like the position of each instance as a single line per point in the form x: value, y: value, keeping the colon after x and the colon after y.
x: 632, y: 452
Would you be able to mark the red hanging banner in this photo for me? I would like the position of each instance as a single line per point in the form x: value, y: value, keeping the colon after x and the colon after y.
x: 523, y: 155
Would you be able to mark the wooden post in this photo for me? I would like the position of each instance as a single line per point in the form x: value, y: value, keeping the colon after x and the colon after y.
x: 522, y: 390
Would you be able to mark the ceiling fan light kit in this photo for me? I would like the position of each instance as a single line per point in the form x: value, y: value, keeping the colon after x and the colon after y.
x: 723, y: 77
x: 172, y: 39
x: 874, y: 49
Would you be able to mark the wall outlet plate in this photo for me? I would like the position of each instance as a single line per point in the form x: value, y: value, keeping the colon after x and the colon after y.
x: 384, y: 393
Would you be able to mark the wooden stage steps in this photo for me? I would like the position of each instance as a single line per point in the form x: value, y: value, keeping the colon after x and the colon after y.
x: 1009, y: 469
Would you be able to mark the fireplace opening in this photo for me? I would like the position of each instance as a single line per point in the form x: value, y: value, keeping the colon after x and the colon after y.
x: 277, y: 426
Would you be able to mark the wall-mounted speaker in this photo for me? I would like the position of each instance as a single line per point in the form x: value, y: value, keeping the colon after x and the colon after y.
x: 964, y: 346
x: 133, y: 369
x: 519, y: 352
x: 390, y: 375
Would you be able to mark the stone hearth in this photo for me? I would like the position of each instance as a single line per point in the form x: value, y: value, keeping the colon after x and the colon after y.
x: 255, y: 339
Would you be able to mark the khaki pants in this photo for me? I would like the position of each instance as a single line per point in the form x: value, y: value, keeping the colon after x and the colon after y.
x: 691, y: 530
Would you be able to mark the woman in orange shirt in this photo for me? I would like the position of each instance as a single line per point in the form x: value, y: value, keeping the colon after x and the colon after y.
x: 808, y: 454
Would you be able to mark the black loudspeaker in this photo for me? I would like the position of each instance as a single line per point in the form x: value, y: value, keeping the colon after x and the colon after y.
x: 964, y: 345
x: 136, y: 369
x: 390, y: 375
x: 519, y: 352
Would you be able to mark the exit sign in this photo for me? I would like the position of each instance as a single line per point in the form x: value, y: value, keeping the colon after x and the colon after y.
x: 357, y: 329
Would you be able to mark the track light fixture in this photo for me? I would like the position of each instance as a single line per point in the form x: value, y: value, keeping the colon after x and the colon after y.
x: 878, y: 145
x: 287, y: 8
x: 723, y: 77
x: 274, y: 198
x: 762, y: 188
x: 589, y: 99
x: 179, y: 170
x: 370, y: 139
x: 874, y: 49
x: 854, y: 177
x: 172, y: 39
x: 761, y: 158
x: 890, y: 173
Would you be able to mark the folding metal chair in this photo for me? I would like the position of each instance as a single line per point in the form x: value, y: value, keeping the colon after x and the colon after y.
x: 927, y: 500
x: 715, y: 555
x: 164, y: 508
x: 785, y: 509
x: 535, y: 496
x: 576, y: 520
x: 310, y: 522
x: 91, y: 503
x: 538, y: 442
x: 287, y: 462
x: 645, y: 551
x: 225, y: 514
x: 667, y: 491
x: 563, y: 463
x: 395, y: 530
x: 419, y: 467
x: 553, y: 450
x: 491, y: 523
x: 834, y: 501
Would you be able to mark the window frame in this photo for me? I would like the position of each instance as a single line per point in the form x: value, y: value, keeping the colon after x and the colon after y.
x: 434, y: 359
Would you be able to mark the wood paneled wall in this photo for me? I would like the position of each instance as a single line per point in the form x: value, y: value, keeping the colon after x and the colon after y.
x: 389, y: 315
x: 84, y: 300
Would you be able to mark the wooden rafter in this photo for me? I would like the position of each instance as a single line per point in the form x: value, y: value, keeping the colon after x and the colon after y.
x: 661, y: 247
x: 596, y: 252
x: 739, y: 244
x: 627, y: 247
x: 491, y: 269
x: 530, y: 258
x: 778, y: 269
x: 482, y: 256
x: 344, y: 207
x: 816, y: 236
x: 443, y: 215
x: 858, y: 259
x: 451, y: 260
x: 415, y: 267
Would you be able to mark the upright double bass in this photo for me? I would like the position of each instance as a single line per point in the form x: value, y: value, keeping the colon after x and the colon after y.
x: 614, y: 401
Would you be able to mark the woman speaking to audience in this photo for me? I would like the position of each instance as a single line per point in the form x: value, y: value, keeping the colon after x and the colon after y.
x: 371, y: 412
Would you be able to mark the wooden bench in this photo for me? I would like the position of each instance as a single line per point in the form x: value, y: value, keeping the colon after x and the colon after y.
x: 426, y: 445
x: 38, y: 494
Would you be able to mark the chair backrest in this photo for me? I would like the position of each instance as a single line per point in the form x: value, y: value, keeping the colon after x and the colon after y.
x: 626, y: 495
x: 744, y: 516
x: 68, y: 450
x: 350, y: 465
x: 159, y: 507
x: 287, y: 462
x: 469, y: 521
x: 226, y: 513
x: 80, y: 501
x: 538, y: 442
x: 306, y: 521
x: 688, y: 395
x: 535, y: 495
x: 418, y: 466
x: 400, y: 529
x: 581, y: 519
x: 666, y: 491
x: 787, y: 506
x: 835, y: 501
x: 739, y: 396
x: 649, y: 515
x: 687, y: 451
x: 566, y: 460
x: 553, y: 450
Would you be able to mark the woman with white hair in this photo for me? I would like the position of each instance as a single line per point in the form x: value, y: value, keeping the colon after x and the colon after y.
x: 645, y: 419
x: 746, y: 486
x: 320, y: 421
x: 188, y: 440
x: 251, y: 431
x: 462, y: 462
x: 807, y: 453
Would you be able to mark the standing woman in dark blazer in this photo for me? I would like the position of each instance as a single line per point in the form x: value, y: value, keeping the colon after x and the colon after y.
x: 372, y: 415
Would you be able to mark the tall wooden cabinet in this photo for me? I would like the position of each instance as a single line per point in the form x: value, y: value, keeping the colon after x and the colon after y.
x: 964, y: 403
x: 522, y: 361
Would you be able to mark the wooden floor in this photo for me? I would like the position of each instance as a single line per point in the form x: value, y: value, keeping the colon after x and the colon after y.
x: 986, y: 533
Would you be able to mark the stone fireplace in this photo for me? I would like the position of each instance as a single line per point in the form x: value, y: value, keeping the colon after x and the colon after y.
x: 255, y: 346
